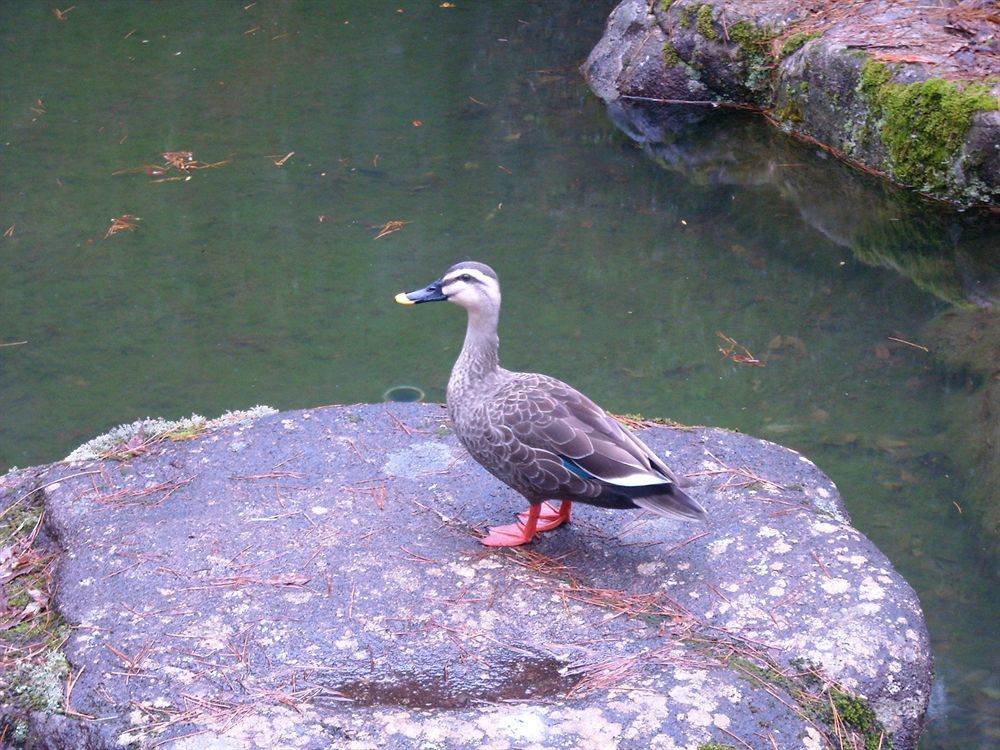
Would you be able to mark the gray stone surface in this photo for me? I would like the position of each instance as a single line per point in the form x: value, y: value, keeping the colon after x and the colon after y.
x: 312, y: 579
x: 629, y: 60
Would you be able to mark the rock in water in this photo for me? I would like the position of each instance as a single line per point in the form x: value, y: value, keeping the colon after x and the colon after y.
x: 251, y: 587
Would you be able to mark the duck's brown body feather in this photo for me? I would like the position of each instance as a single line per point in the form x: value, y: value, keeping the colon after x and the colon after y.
x: 525, y: 427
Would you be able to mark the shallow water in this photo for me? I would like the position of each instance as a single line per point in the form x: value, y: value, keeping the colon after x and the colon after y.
x: 262, y: 279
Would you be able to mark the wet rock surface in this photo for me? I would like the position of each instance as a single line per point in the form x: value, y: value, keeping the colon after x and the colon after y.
x: 312, y: 579
x: 899, y: 87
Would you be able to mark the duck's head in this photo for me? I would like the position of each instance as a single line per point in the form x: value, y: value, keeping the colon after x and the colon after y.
x: 472, y: 285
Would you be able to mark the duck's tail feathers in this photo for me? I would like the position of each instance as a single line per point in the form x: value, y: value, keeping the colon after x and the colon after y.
x: 668, y: 500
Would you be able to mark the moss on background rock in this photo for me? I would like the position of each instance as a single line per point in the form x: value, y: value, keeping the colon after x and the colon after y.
x: 755, y: 46
x: 923, y: 125
x: 704, y: 26
x: 796, y: 42
x: 670, y: 55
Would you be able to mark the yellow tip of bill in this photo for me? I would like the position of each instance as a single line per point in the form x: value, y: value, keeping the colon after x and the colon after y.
x: 402, y: 299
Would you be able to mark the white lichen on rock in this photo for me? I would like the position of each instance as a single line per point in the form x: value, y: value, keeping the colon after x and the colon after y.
x: 40, y: 686
x: 591, y: 729
x: 870, y: 590
x: 836, y: 585
x: 152, y: 428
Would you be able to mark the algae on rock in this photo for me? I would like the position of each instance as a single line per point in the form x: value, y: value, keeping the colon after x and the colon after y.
x: 923, y: 125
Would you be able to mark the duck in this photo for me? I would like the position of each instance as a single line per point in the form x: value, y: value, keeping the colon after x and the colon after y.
x: 536, y: 434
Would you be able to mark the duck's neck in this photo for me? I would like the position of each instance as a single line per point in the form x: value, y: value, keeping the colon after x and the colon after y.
x: 479, y: 359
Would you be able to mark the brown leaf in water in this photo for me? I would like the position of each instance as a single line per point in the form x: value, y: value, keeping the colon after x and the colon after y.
x: 842, y: 440
x: 786, y: 342
x: 125, y: 222
x: 892, y: 446
x: 737, y: 352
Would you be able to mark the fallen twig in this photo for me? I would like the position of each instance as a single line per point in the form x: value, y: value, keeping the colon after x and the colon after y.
x: 737, y: 352
x: 68, y: 693
x: 749, y: 476
x: 695, y: 102
x: 390, y: 227
x: 898, y: 340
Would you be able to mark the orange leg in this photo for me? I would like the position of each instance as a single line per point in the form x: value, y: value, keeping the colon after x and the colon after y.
x: 548, y: 517
x: 528, y: 525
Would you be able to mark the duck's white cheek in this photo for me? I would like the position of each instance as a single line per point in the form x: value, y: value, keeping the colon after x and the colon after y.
x: 462, y: 297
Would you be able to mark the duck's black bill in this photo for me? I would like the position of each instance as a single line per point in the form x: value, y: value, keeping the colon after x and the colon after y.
x: 431, y: 293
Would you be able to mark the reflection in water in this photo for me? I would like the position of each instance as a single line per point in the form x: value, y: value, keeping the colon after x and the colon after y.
x: 950, y: 254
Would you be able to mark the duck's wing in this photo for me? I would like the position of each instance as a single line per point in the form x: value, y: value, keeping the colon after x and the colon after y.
x: 573, y: 438
x: 548, y: 415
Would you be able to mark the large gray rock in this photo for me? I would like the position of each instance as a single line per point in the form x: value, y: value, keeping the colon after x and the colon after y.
x: 313, y: 579
x: 629, y: 60
x: 890, y: 85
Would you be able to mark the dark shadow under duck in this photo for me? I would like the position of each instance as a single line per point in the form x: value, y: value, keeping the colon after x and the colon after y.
x: 535, y: 433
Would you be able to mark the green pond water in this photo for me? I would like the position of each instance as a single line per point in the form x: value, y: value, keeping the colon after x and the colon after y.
x: 261, y: 278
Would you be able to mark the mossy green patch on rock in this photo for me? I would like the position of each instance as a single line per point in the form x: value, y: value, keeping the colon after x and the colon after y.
x: 791, y: 107
x: 752, y: 39
x: 704, y: 25
x: 854, y: 712
x: 790, y: 112
x: 670, y: 55
x: 923, y: 125
x: 26, y: 573
x: 684, y: 17
x: 874, y: 75
x: 755, y: 46
x: 19, y: 737
x: 797, y: 41
x: 20, y: 518
x: 821, y: 700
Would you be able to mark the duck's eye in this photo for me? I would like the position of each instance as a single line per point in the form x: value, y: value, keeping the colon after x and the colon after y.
x: 465, y: 277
